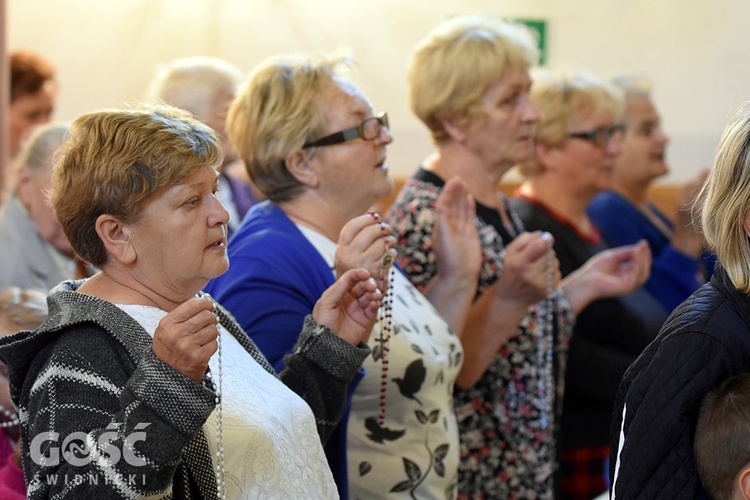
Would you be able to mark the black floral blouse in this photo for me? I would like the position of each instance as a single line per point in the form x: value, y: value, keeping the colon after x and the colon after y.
x: 507, y: 428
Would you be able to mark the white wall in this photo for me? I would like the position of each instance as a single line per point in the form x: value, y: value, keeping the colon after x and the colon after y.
x: 694, y: 50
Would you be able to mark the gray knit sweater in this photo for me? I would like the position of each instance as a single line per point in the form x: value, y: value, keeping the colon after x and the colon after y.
x: 89, y: 374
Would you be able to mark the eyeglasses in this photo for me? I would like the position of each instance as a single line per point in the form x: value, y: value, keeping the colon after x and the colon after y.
x: 368, y: 130
x: 600, y: 136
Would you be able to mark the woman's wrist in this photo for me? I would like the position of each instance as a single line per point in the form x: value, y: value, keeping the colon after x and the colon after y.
x: 455, y: 283
x: 578, y: 290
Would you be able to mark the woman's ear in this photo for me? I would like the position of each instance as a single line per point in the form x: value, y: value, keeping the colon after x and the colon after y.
x: 454, y: 131
x: 743, y: 482
x: 299, y: 163
x: 116, y: 236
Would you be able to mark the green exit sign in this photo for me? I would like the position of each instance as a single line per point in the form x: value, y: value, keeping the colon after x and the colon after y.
x: 538, y: 27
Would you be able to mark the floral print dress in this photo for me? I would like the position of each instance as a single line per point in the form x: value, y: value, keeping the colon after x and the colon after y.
x: 506, y: 424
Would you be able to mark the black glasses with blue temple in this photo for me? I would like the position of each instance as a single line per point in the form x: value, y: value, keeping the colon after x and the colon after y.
x: 601, y: 136
x: 368, y: 130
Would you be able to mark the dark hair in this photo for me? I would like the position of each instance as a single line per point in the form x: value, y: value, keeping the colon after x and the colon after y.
x: 28, y: 72
x: 722, y: 436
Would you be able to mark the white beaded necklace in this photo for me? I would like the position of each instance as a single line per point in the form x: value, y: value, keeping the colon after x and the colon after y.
x: 545, y: 331
x: 11, y: 418
x: 545, y: 345
x: 217, y: 387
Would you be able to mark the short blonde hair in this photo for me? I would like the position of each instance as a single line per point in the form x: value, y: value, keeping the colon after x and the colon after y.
x: 277, y: 111
x: 724, y: 200
x: 118, y: 159
x: 455, y: 64
x: 561, y: 97
x: 193, y: 83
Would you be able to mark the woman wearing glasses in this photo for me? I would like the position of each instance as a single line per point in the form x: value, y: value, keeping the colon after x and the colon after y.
x: 577, y: 140
x: 316, y: 150
x: 482, y: 123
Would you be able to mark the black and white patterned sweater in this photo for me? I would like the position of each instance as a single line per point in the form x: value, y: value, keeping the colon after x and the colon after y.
x: 89, y: 373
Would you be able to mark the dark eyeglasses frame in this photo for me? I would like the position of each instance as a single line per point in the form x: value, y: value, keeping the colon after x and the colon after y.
x: 599, y: 136
x: 351, y: 133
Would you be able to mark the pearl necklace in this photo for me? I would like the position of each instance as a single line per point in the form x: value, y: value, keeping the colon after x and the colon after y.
x: 385, y: 319
x: 546, y: 342
x: 11, y: 418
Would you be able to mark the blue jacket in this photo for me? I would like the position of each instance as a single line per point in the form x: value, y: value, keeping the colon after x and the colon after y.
x: 673, y: 274
x: 274, y: 268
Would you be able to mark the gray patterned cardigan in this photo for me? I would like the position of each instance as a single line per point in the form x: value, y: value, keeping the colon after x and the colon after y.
x: 89, y: 369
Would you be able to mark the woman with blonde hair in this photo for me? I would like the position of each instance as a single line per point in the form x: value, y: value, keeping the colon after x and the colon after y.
x: 577, y: 141
x: 316, y: 149
x: 515, y: 339
x: 705, y: 341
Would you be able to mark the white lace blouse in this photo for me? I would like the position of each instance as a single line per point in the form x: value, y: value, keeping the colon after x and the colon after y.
x: 271, y: 444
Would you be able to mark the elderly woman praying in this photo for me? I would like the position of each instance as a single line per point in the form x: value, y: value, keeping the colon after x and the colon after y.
x: 315, y: 147
x: 149, y: 387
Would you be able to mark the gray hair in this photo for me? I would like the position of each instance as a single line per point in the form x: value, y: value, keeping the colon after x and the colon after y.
x: 634, y: 85
x: 38, y: 150
x: 192, y: 83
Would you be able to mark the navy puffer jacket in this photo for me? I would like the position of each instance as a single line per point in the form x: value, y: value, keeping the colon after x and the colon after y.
x: 705, y: 341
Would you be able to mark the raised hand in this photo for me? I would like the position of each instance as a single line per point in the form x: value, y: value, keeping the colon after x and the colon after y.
x: 363, y: 242
x: 458, y: 251
x: 619, y: 271
x: 611, y: 273
x: 349, y: 307
x: 525, y: 275
x: 495, y: 315
x: 458, y: 254
x: 186, y: 338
